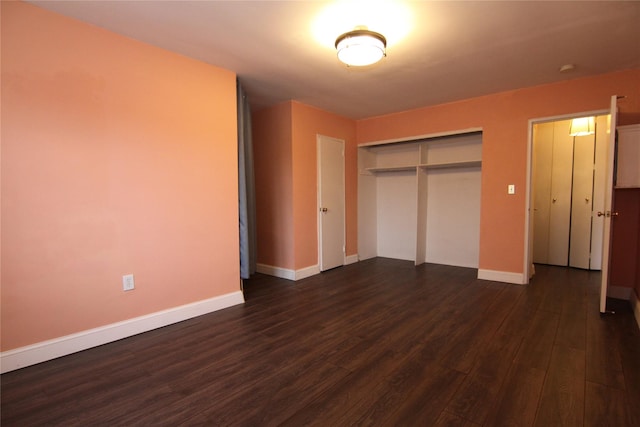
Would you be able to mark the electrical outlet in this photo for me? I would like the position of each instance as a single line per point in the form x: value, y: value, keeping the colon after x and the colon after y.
x: 511, y: 189
x: 128, y: 283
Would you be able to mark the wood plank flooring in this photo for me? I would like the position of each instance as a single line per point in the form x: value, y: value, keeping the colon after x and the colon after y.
x: 379, y: 342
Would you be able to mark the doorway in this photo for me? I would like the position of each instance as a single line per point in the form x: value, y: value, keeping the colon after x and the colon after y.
x: 606, y: 214
x: 567, y: 184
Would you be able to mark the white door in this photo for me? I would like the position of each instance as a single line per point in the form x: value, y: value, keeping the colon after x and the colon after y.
x: 582, y: 201
x: 552, y: 181
x: 608, y: 203
x: 541, y: 190
x: 331, y: 204
x: 561, y: 184
x: 599, y: 178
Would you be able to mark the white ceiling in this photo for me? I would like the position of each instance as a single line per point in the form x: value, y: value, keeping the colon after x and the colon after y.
x: 451, y: 50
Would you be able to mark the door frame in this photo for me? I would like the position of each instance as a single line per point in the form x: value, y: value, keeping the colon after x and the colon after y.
x: 318, y: 199
x: 528, y: 222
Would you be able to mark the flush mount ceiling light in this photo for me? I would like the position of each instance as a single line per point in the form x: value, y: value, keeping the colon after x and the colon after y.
x: 582, y: 126
x: 361, y: 47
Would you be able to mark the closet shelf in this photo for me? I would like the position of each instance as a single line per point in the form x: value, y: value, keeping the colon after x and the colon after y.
x: 392, y: 169
x: 470, y: 164
x: 447, y: 165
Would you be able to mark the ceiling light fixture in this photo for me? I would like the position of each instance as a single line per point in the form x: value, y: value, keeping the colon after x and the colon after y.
x: 582, y: 126
x: 361, y: 47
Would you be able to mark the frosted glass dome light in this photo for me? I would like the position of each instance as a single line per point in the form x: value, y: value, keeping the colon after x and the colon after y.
x: 359, y: 48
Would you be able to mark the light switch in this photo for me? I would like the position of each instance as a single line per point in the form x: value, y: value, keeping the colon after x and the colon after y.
x: 511, y: 189
x: 127, y: 282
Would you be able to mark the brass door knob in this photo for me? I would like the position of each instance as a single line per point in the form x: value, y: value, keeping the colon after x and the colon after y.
x: 608, y: 214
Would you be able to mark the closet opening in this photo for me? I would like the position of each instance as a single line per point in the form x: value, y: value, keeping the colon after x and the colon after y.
x: 419, y: 199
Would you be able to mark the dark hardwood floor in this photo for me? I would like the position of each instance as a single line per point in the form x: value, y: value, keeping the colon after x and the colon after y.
x: 380, y: 342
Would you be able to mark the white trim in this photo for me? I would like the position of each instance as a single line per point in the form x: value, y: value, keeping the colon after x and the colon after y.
x: 57, y: 347
x: 502, y: 276
x: 528, y: 221
x: 307, y: 272
x: 283, y: 273
x: 568, y: 116
x: 286, y: 273
x: 419, y: 137
x: 619, y: 292
x: 350, y: 259
x: 635, y: 303
x: 319, y: 198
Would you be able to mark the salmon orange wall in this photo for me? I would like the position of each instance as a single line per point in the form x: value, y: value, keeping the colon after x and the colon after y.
x: 504, y: 120
x: 117, y: 157
x: 285, y: 158
x: 307, y: 123
x: 625, y: 238
x: 272, y: 152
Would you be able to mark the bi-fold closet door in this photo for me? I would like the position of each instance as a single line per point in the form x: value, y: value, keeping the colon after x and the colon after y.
x: 420, y: 200
x: 568, y: 186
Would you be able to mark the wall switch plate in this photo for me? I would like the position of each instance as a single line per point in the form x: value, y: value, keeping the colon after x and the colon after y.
x: 128, y: 283
x: 511, y: 189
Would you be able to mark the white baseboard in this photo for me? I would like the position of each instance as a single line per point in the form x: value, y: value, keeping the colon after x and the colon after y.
x: 619, y: 292
x: 502, y: 276
x: 46, y: 350
x: 283, y: 273
x: 350, y: 259
x: 635, y: 303
x: 307, y: 272
x: 365, y: 256
x: 286, y: 273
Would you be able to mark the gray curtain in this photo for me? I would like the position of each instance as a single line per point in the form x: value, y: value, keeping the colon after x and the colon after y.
x: 246, y: 187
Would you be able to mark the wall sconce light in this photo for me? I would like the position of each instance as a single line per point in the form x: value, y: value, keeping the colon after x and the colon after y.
x: 361, y: 47
x: 582, y: 126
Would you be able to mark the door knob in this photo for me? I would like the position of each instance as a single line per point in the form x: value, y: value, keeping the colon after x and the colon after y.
x: 323, y: 209
x: 608, y: 214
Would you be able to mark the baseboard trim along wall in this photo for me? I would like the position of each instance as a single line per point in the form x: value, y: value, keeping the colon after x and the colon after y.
x: 502, y: 276
x: 307, y: 272
x: 283, y: 273
x: 47, y: 350
x: 350, y: 259
x: 635, y: 303
x: 286, y: 273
